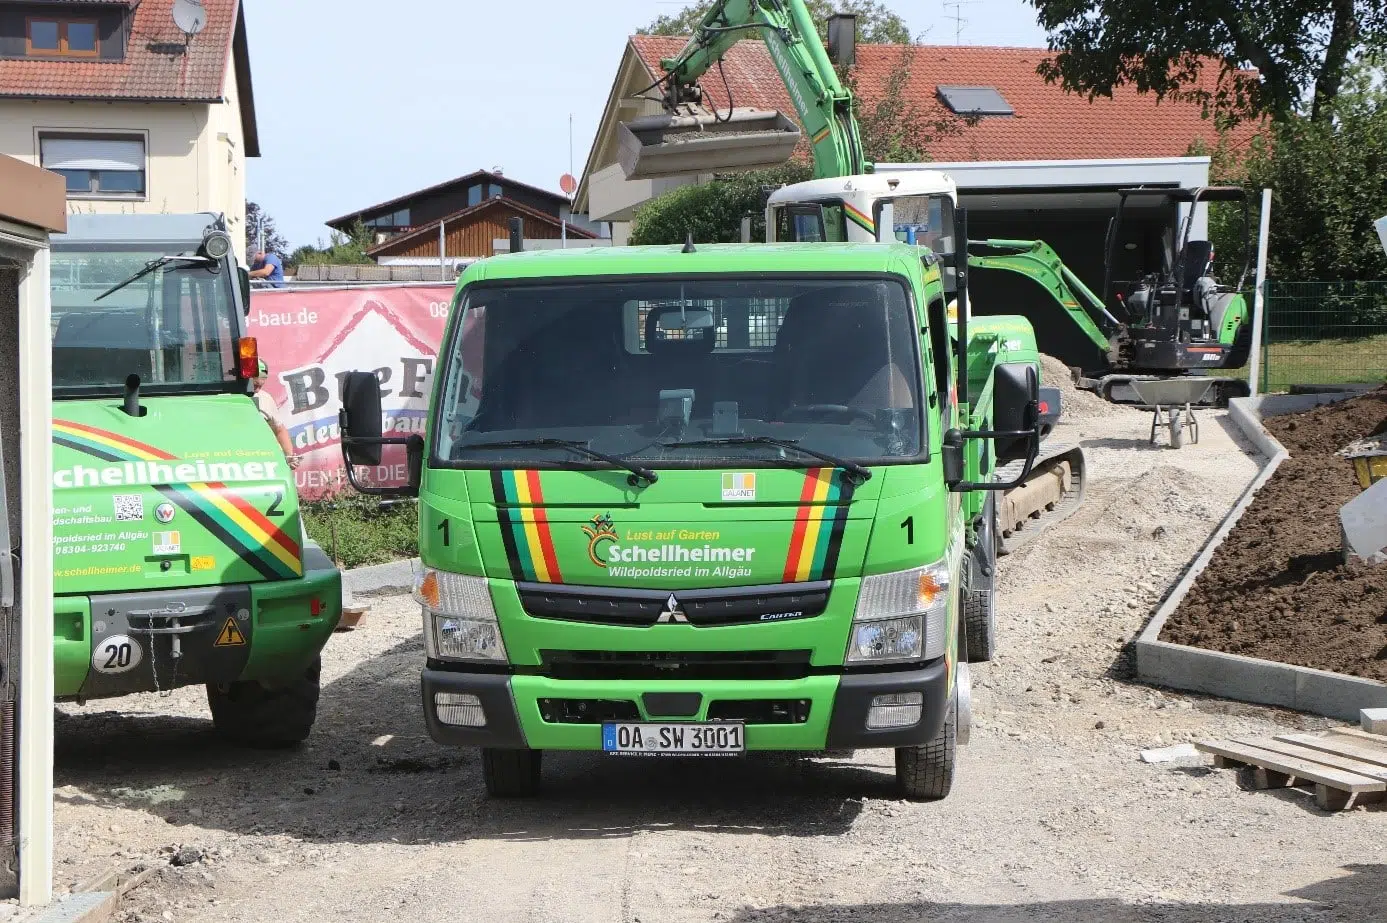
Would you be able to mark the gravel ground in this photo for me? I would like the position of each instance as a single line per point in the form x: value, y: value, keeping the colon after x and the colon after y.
x: 1053, y: 816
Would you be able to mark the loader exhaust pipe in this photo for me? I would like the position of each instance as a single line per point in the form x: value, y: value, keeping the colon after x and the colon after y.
x: 726, y: 142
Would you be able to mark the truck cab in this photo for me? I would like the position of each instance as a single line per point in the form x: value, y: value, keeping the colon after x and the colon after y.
x: 706, y: 500
x: 180, y: 554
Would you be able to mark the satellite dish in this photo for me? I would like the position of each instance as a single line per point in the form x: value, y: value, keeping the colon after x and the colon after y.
x: 190, y: 16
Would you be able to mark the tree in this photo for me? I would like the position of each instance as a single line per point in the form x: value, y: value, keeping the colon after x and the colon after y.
x: 712, y: 212
x: 875, y: 23
x: 1302, y: 49
x: 1328, y: 179
x: 258, y: 221
x: 347, y: 249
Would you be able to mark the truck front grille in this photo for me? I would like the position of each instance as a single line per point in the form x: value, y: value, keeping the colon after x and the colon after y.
x: 760, y: 711
x: 706, y: 607
x: 658, y: 665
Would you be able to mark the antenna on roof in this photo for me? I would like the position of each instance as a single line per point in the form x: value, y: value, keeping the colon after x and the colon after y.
x: 689, y: 244
x: 957, y: 16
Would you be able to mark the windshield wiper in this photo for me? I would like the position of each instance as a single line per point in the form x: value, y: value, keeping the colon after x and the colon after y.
x: 151, y: 266
x: 638, y: 472
x: 856, y: 473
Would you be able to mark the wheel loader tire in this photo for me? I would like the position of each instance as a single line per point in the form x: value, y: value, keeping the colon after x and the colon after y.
x: 511, y: 773
x: 979, y: 617
x: 927, y: 773
x: 252, y: 714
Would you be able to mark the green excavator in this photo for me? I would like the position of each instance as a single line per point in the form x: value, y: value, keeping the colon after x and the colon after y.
x: 1169, y: 328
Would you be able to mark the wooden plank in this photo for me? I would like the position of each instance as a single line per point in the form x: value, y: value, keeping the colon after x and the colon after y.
x: 1339, y: 744
x: 1324, y: 757
x: 1356, y: 734
x: 1294, y: 766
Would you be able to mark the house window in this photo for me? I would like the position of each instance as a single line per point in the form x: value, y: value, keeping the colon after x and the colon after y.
x: 474, y: 195
x: 62, y: 37
x: 96, y: 166
x: 399, y: 219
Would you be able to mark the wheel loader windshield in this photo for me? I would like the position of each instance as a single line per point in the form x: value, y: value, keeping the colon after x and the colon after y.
x: 676, y: 373
x: 174, y: 327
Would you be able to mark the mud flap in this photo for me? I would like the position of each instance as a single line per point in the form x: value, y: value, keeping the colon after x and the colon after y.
x: 154, y: 642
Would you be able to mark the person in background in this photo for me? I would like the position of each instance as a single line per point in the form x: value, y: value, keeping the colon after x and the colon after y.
x: 269, y: 268
x: 266, y: 405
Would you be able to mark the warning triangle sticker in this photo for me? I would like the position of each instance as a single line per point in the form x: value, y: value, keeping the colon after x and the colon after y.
x: 230, y: 635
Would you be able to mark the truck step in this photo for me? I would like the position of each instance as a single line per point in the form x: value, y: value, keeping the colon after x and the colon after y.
x: 1053, y: 492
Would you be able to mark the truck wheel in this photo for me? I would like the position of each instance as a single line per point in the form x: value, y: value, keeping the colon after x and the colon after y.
x: 255, y: 715
x: 511, y: 773
x: 979, y: 617
x: 927, y: 773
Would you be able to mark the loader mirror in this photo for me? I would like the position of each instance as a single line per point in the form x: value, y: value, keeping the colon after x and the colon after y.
x: 951, y: 455
x: 886, y: 224
x: 361, y: 419
x: 243, y: 276
x: 1015, y: 408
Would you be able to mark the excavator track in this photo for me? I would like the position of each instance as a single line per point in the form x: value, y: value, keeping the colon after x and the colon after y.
x: 1052, y: 493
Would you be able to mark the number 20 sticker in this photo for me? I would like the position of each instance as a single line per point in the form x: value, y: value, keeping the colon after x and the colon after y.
x: 117, y: 654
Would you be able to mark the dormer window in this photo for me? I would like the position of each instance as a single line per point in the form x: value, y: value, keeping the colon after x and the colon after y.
x: 54, y: 36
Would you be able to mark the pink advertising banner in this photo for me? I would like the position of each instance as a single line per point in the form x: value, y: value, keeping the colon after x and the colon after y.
x: 311, y: 338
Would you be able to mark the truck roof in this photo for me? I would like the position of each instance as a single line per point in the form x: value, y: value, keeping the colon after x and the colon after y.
x: 709, y: 258
x: 135, y: 229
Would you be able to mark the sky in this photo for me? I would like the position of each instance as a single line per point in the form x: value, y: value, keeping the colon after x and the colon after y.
x: 359, y: 101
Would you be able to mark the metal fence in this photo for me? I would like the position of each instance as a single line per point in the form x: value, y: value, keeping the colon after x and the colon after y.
x: 1324, y: 333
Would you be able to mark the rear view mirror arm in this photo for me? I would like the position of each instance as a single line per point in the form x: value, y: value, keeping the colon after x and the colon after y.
x: 1033, y: 449
x: 414, y: 445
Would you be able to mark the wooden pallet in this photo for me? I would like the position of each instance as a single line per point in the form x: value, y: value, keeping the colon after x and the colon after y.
x: 1345, y: 767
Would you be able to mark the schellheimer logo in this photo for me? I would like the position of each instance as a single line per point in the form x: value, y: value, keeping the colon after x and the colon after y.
x: 599, y: 531
x: 663, y: 552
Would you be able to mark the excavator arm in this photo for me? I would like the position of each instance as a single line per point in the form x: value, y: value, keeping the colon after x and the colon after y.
x: 824, y: 105
x: 1037, y: 261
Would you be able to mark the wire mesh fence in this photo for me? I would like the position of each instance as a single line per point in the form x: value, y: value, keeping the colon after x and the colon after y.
x: 1324, y: 333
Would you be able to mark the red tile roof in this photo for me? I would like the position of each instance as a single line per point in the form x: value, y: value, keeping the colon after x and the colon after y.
x: 1049, y: 123
x: 154, y: 68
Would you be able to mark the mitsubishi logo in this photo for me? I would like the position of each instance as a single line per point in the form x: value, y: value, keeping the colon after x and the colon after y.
x: 672, y: 613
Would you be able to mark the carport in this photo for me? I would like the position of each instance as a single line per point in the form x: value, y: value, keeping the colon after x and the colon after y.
x: 1068, y: 204
x: 33, y: 204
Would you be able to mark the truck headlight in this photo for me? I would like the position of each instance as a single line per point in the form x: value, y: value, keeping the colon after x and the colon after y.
x: 901, y: 616
x: 459, y: 618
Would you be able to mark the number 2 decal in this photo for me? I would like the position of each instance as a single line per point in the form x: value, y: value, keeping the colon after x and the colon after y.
x: 275, y: 505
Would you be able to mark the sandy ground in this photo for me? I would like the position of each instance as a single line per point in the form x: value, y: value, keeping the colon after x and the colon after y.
x: 1053, y: 815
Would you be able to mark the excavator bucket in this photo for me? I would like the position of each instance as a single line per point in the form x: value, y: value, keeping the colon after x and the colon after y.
x: 682, y: 145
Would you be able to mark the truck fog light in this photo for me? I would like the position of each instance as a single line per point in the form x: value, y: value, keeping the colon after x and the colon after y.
x: 896, y: 710
x: 459, y: 710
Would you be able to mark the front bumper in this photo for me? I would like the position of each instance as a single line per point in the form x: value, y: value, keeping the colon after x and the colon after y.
x: 836, y: 715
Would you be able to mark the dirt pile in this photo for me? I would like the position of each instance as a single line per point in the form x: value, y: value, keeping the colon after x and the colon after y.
x: 1078, y: 406
x: 1277, y: 588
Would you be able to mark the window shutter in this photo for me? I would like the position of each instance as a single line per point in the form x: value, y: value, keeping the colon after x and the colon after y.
x: 92, y: 154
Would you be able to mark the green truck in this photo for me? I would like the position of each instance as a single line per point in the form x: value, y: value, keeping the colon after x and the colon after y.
x: 710, y: 500
x: 180, y: 554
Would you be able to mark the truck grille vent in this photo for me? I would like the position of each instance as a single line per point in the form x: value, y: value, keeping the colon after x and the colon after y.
x: 722, y: 606
x: 657, y: 665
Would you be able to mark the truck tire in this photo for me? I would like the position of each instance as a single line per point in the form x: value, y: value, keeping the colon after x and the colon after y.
x: 927, y: 773
x: 979, y: 616
x: 252, y: 714
x: 511, y: 773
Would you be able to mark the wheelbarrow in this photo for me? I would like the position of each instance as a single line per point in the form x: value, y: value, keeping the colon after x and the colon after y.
x: 1171, y: 402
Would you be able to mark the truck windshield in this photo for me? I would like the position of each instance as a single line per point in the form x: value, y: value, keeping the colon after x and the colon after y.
x: 176, y: 327
x: 681, y: 373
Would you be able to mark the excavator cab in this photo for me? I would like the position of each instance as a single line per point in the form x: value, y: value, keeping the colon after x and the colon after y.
x: 1180, y: 316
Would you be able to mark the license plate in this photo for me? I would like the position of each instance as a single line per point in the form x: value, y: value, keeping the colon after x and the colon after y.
x: 716, y: 738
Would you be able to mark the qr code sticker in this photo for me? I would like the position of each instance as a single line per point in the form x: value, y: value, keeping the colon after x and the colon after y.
x: 129, y: 507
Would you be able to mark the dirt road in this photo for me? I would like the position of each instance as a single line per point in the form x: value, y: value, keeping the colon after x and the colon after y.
x: 1053, y: 816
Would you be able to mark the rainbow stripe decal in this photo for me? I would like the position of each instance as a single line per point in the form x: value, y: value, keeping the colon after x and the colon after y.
x: 219, y: 509
x: 819, y: 525
x: 821, y: 135
x: 525, y: 526
x: 860, y: 218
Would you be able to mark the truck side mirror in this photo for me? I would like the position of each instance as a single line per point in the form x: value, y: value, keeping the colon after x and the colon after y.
x: 360, y: 419
x: 1015, y: 408
x: 951, y: 455
x: 244, y: 275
